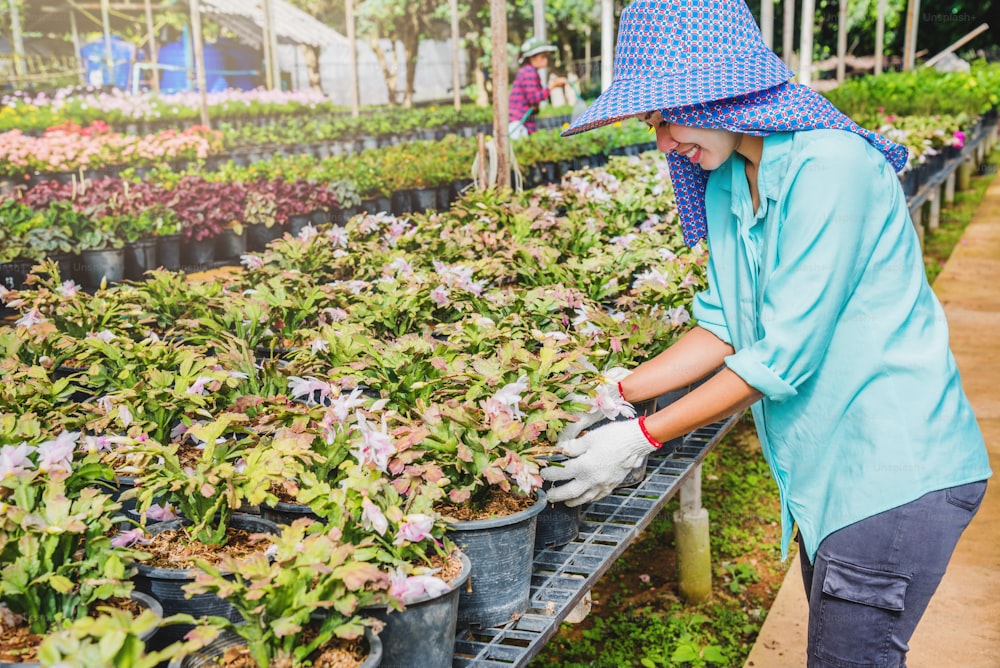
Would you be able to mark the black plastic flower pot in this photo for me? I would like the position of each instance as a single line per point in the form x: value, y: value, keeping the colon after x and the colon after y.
x: 145, y: 602
x: 286, y: 513
x: 14, y: 273
x: 260, y: 235
x: 319, y: 217
x: 97, y: 265
x: 457, y: 187
x: 424, y: 199
x: 383, y: 204
x: 211, y: 654
x: 168, y: 251
x: 140, y: 257
x: 298, y: 222
x: 401, y: 202
x: 501, y: 552
x: 423, y: 634
x: 548, y: 170
x: 229, y: 245
x: 443, y: 197
x: 198, y: 254
x: 166, y: 585
x: 558, y: 524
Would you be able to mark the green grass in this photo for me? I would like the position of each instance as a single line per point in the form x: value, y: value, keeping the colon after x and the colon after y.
x: 638, y: 619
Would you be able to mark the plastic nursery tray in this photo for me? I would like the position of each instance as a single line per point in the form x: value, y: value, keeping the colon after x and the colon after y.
x: 562, y: 575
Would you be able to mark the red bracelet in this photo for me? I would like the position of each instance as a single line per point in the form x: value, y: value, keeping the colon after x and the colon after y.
x: 652, y: 441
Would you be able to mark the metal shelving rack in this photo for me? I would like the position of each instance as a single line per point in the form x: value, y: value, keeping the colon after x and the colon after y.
x: 562, y: 575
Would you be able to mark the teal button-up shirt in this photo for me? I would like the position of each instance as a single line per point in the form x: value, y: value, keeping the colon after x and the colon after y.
x: 822, y: 294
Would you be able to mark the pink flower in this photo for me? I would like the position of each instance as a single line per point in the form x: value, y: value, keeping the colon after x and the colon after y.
x: 372, y: 517
x: 14, y: 460
x: 57, y: 455
x: 160, y: 513
x: 68, y: 289
x: 252, y: 262
x: 414, y: 529
x: 307, y: 388
x: 129, y: 538
x: 416, y: 587
x: 198, y: 386
x: 376, y: 446
x: 678, y: 316
x: 507, y: 400
x: 608, y: 401
x: 30, y: 319
x: 440, y: 296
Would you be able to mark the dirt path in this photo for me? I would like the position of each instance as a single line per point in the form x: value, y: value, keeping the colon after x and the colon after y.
x: 962, y: 623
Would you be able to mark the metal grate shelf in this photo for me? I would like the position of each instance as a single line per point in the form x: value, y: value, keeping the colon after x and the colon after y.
x: 562, y: 575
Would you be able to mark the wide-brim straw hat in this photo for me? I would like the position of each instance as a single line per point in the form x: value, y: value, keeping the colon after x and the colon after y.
x: 674, y: 53
x: 534, y: 46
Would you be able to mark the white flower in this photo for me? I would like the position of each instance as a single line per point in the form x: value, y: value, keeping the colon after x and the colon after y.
x: 318, y: 345
x: 678, y: 316
x: 507, y: 400
x: 376, y: 445
x: 68, y: 289
x: 252, y: 262
x: 308, y: 387
x: 608, y: 401
x: 30, y: 319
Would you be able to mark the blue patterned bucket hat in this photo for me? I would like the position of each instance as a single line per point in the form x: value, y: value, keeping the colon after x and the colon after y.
x: 674, y: 53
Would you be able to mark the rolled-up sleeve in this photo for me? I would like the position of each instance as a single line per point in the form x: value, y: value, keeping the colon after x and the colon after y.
x: 708, y: 312
x: 822, y: 250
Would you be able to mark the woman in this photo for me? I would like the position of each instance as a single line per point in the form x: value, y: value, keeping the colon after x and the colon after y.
x: 527, y: 92
x: 818, y: 313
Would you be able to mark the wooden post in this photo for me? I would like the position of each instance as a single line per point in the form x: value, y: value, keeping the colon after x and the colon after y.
x: 934, y: 219
x: 199, y: 60
x: 352, y: 39
x: 694, y: 556
x: 949, y: 188
x: 806, y: 42
x: 961, y: 42
x: 788, y: 33
x: 587, y: 56
x: 879, y: 35
x: 767, y: 22
x: 480, y: 175
x: 151, y: 29
x: 109, y: 59
x: 607, y: 43
x: 498, y: 23
x: 265, y: 44
x: 456, y: 79
x: 841, y: 41
x: 910, y: 37
x: 77, y: 48
x: 275, y: 56
x: 538, y: 20
x: 18, y: 39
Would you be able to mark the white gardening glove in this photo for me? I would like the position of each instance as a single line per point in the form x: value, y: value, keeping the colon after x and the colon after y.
x: 600, y: 461
x: 611, y: 378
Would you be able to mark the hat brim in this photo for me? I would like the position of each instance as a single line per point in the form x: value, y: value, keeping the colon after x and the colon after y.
x: 626, y: 98
x: 538, y: 50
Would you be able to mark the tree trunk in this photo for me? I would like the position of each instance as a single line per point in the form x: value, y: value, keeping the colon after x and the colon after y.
x: 383, y: 62
x: 476, y: 75
x: 411, y: 47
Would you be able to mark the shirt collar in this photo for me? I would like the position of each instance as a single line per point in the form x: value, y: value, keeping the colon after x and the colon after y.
x: 773, y: 161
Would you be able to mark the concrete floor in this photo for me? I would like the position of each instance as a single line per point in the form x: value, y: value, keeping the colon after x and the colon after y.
x: 961, y: 628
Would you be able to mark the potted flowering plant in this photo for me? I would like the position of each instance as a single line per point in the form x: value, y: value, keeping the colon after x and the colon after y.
x: 57, y: 559
x: 304, y: 595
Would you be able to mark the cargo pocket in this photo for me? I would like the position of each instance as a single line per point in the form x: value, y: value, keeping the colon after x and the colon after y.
x: 858, y: 614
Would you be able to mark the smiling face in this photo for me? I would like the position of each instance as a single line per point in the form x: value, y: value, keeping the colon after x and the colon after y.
x: 705, y: 147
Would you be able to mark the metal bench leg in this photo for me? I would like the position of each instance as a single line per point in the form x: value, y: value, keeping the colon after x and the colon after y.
x: 934, y: 220
x: 949, y: 189
x: 694, y: 558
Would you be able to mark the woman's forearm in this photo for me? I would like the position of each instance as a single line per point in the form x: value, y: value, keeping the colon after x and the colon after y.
x: 695, y: 355
x: 720, y: 396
